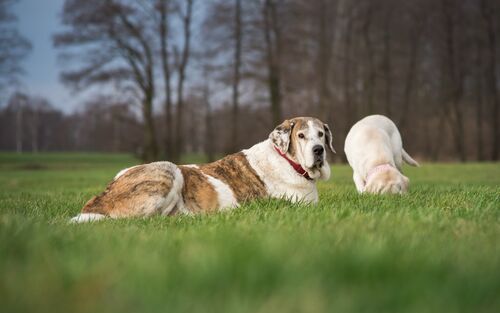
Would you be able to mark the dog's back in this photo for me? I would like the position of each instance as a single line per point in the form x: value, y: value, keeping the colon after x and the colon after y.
x: 375, y: 134
x: 378, y: 130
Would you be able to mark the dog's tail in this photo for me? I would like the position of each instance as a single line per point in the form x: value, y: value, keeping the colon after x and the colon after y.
x: 87, y: 217
x: 408, y: 159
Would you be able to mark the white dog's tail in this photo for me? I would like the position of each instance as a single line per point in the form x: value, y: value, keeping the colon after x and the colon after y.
x: 408, y: 159
x: 87, y: 217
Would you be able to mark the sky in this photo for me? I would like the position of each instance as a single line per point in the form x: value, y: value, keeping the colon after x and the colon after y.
x: 38, y: 20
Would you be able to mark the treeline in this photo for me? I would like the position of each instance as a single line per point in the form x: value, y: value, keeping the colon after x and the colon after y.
x: 32, y: 124
x: 216, y: 76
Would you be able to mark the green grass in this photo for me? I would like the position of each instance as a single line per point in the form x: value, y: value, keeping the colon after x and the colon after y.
x: 436, y: 249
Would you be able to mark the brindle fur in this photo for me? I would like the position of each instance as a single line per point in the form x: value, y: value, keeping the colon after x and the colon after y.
x: 235, y: 171
x: 133, y: 193
x: 141, y: 189
x: 199, y: 195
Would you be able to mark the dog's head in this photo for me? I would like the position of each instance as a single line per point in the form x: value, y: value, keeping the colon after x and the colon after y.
x: 390, y: 181
x: 305, y: 141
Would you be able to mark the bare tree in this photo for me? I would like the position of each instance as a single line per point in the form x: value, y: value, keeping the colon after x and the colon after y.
x: 368, y: 45
x: 18, y: 102
x: 414, y: 35
x: 206, y: 94
x: 272, y: 37
x: 454, y: 75
x: 388, y: 58
x: 347, y: 67
x: 487, y: 12
x: 186, y: 17
x: 234, y: 144
x: 327, y: 11
x: 164, y: 8
x: 225, y: 31
x: 479, y: 100
x: 116, y: 46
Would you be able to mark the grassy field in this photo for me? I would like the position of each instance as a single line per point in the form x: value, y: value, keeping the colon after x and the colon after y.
x: 436, y: 249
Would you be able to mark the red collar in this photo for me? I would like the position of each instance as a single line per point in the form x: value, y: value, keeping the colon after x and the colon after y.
x: 296, y: 166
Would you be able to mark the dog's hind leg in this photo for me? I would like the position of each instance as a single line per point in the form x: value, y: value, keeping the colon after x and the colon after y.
x: 87, y: 217
x: 142, y: 190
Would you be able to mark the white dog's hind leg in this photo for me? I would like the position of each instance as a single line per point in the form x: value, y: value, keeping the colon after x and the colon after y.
x: 358, y: 181
x: 87, y: 217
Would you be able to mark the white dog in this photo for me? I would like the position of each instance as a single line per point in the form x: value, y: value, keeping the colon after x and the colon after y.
x: 375, y: 152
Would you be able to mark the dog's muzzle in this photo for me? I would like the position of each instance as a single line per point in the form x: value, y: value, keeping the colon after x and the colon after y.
x: 318, y: 153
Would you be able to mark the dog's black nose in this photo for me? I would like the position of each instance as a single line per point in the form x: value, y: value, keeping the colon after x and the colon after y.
x: 318, y: 150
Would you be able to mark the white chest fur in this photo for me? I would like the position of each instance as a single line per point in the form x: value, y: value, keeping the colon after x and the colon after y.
x: 281, y: 180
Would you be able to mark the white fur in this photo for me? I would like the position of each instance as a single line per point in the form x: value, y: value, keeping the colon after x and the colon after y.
x: 154, y: 204
x: 87, y: 217
x: 120, y: 173
x: 305, y: 155
x: 225, y: 195
x: 174, y: 197
x: 373, y: 141
x: 312, y: 140
x: 281, y: 180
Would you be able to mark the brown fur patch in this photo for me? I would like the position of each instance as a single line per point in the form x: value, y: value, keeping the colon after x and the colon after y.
x: 199, y: 195
x: 133, y: 193
x: 299, y: 124
x: 236, y: 172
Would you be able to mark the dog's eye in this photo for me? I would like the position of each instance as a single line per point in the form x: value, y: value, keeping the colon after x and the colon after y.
x: 320, y: 134
x: 301, y: 136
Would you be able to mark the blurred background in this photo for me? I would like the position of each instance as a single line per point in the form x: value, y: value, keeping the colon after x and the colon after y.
x: 167, y: 78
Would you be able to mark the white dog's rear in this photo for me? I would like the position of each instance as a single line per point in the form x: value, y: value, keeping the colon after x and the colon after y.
x: 375, y: 152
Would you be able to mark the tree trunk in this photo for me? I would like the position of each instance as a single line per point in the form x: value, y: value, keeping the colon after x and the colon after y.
x: 350, y: 114
x: 387, y: 63
x: 34, y: 131
x: 487, y: 13
x: 325, y: 40
x: 19, y: 129
x: 151, y: 149
x: 165, y: 56
x: 410, y: 77
x: 182, y: 75
x: 455, y: 87
x: 272, y: 39
x: 370, y: 82
x: 479, y: 104
x: 233, y: 144
x: 143, y: 70
x: 209, y: 131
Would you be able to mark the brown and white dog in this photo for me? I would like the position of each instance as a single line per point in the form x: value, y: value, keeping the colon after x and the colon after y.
x: 286, y: 165
x: 375, y: 152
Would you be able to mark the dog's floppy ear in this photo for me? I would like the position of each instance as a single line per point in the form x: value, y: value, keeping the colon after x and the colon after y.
x: 329, y: 138
x: 280, y: 136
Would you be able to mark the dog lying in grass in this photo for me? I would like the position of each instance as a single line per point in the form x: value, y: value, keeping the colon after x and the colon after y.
x: 286, y: 165
x: 375, y: 152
